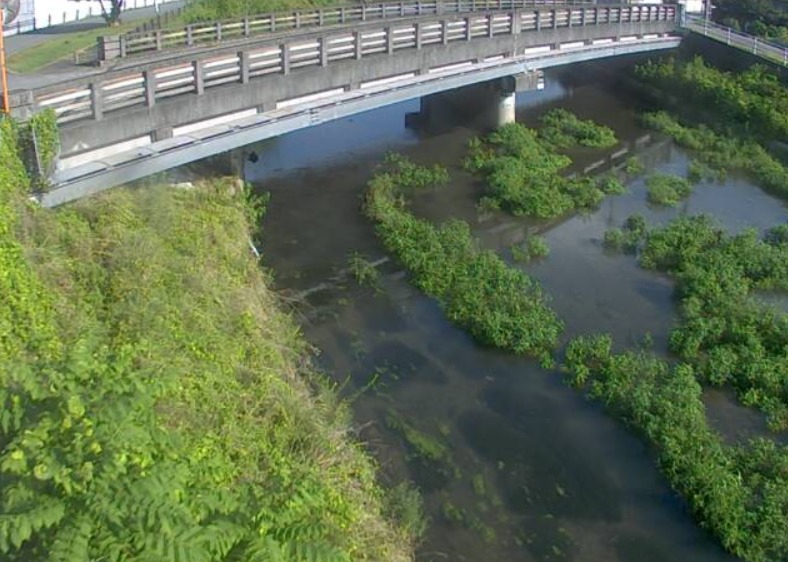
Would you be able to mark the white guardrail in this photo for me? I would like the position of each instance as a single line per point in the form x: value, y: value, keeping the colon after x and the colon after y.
x: 760, y: 47
x: 92, y: 98
x: 142, y: 42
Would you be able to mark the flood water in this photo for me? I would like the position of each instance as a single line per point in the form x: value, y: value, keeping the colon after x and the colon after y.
x: 528, y: 470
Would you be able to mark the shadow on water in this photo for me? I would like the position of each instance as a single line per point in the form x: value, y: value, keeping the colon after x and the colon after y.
x: 513, y: 465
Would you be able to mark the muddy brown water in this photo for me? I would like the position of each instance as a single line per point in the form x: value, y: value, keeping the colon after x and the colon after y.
x: 532, y: 471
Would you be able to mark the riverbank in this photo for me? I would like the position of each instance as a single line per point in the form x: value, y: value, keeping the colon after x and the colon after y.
x: 158, y: 402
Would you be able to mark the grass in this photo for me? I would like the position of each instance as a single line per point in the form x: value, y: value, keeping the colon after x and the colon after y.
x: 62, y: 47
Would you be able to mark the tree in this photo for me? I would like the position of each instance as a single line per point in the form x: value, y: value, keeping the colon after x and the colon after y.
x: 110, y: 10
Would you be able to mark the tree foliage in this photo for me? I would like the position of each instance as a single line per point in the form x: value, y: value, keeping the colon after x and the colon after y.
x: 754, y: 102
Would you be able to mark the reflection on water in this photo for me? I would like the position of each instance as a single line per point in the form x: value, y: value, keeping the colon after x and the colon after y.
x: 513, y: 465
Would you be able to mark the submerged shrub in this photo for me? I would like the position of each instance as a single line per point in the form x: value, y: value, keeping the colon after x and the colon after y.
x: 563, y: 129
x: 667, y: 190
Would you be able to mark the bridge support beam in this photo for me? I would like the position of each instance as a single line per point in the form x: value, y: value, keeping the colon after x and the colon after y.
x: 487, y: 105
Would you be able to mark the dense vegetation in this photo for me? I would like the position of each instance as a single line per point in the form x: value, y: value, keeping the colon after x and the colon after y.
x: 753, y: 102
x: 726, y: 334
x: 740, y: 493
x: 765, y: 18
x: 523, y: 176
x: 563, y: 129
x: 499, y: 306
x: 721, y: 153
x: 668, y: 190
x: 156, y: 404
x: 215, y: 10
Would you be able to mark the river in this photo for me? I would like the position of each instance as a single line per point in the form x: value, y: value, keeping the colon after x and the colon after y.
x: 528, y: 469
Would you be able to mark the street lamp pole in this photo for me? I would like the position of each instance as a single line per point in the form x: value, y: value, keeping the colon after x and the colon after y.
x: 3, y: 70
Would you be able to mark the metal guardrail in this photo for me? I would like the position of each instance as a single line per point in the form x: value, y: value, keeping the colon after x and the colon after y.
x: 96, y: 96
x: 750, y: 43
x: 146, y: 42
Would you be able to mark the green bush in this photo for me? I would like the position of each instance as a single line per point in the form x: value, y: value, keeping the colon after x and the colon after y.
x: 727, y: 336
x: 667, y: 190
x: 753, y: 102
x: 216, y: 10
x: 498, y: 305
x: 722, y: 153
x: 532, y: 247
x: 563, y: 129
x: 523, y: 176
x: 155, y: 403
x: 738, y: 493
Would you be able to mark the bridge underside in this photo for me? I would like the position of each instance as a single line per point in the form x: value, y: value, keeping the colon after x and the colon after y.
x: 95, y: 171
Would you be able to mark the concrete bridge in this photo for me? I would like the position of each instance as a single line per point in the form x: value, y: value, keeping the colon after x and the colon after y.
x: 142, y: 118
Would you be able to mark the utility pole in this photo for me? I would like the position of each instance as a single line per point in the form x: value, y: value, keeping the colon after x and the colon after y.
x: 3, y: 70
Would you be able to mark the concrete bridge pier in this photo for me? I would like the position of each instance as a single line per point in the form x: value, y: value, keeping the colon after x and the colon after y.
x: 230, y: 163
x: 487, y: 105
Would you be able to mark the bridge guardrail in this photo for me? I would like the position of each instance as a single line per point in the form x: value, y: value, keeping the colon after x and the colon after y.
x: 760, y: 47
x: 94, y: 97
x: 146, y: 42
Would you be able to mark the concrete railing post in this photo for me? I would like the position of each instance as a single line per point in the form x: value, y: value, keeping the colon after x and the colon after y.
x: 297, y: 18
x: 273, y: 22
x: 389, y: 40
x: 285, y: 54
x: 323, y: 46
x: 149, y: 83
x: 97, y: 101
x: 402, y: 9
x: 538, y: 20
x: 244, y: 66
x: 342, y: 15
x: 189, y: 35
x: 516, y: 25
x: 467, y: 28
x: 247, y: 27
x: 554, y: 15
x: 417, y: 34
x: 444, y: 32
x: 490, y: 25
x: 363, y: 12
x: 157, y: 35
x: 357, y: 43
x: 321, y: 17
x: 218, y: 31
x: 199, y: 78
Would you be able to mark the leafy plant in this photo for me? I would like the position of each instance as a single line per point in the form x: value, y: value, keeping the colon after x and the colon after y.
x: 363, y: 270
x: 500, y: 306
x: 563, y: 129
x: 155, y: 402
x: 532, y: 247
x: 523, y: 176
x: 667, y: 190
x: 738, y: 493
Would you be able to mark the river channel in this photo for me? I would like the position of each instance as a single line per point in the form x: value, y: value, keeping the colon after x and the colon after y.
x: 529, y: 470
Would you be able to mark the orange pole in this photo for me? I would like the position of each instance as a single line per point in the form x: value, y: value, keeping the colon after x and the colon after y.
x: 3, y: 70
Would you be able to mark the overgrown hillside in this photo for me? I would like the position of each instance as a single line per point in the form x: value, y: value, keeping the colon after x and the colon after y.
x: 157, y: 404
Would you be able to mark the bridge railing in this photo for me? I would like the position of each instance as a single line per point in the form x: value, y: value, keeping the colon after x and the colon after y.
x: 147, y: 42
x: 755, y: 45
x: 95, y: 97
